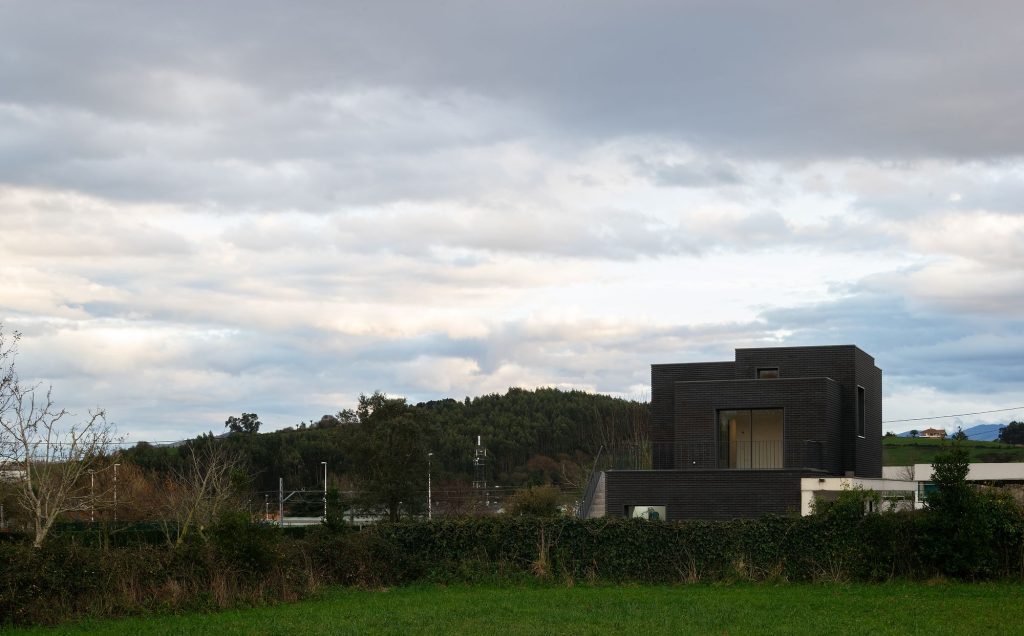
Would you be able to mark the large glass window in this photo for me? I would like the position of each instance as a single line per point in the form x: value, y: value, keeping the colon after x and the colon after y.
x: 750, y: 438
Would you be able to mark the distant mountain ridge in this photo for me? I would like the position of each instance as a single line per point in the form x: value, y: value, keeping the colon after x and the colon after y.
x: 984, y: 432
x: 978, y: 432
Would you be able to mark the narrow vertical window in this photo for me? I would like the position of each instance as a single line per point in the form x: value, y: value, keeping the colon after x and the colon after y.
x: 860, y: 411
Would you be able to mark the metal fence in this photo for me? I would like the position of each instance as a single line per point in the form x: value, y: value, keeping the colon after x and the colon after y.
x: 754, y: 455
x: 600, y: 462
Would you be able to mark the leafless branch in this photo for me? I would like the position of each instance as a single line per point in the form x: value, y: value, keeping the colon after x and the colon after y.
x: 203, y: 488
x: 50, y: 460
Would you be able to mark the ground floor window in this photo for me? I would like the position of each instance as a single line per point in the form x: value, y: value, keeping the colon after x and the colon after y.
x: 750, y: 438
x: 649, y: 512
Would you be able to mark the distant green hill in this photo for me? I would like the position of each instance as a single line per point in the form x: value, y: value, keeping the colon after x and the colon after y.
x: 903, y: 451
x: 532, y: 437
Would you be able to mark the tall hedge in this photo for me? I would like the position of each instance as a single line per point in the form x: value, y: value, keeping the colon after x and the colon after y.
x: 245, y: 564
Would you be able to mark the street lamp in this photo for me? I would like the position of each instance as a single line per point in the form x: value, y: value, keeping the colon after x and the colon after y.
x: 325, y: 491
x: 430, y: 506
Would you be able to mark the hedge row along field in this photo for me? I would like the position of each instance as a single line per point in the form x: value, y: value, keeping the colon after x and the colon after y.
x: 246, y: 564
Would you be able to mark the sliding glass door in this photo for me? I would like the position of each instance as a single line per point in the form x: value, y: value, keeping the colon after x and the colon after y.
x: 750, y: 438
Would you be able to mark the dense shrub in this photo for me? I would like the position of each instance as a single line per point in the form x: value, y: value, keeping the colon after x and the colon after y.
x: 538, y: 501
x: 244, y: 548
x: 971, y: 532
x: 249, y: 564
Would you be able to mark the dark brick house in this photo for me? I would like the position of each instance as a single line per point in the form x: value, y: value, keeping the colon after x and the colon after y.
x: 733, y: 439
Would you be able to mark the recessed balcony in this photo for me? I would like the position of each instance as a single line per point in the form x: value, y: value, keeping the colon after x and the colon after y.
x: 759, y: 455
x: 762, y: 454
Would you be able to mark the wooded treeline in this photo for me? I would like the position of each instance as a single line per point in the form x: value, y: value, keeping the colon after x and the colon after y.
x: 532, y: 437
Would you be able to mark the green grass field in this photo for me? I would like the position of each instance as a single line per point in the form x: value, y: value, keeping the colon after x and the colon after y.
x: 903, y: 451
x: 896, y: 608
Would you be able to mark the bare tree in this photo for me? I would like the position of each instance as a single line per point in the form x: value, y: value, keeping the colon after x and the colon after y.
x: 639, y: 444
x: 51, y: 459
x: 906, y: 473
x: 624, y: 435
x: 194, y: 495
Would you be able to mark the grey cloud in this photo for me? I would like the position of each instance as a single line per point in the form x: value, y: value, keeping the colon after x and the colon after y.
x: 297, y: 374
x: 917, y: 190
x: 690, y: 174
x: 604, y: 234
x: 986, y: 289
x: 192, y: 383
x: 608, y: 234
x: 914, y: 342
x: 310, y: 151
x: 830, y: 80
x: 389, y: 155
x: 58, y: 226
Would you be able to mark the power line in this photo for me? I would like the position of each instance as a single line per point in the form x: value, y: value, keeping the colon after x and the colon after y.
x: 985, y: 433
x: 939, y: 417
x: 128, y: 443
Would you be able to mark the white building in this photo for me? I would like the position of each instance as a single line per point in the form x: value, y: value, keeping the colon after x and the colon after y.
x: 903, y: 486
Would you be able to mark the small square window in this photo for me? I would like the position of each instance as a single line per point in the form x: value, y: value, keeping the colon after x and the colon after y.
x: 767, y: 373
x: 649, y: 512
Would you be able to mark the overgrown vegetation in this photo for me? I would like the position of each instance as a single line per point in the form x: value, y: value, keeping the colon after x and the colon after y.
x: 965, y: 533
x: 539, y: 501
x: 242, y: 563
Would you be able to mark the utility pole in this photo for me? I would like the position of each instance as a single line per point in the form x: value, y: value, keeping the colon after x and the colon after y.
x: 480, y: 469
x: 325, y: 491
x: 266, y: 507
x: 115, y: 493
x: 281, y: 499
x: 92, y: 497
x: 430, y: 505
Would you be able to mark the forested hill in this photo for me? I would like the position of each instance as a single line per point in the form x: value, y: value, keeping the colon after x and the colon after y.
x: 531, y: 436
x: 521, y: 425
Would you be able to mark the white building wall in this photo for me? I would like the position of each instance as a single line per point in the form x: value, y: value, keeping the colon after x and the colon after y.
x: 1005, y: 471
x: 894, y: 478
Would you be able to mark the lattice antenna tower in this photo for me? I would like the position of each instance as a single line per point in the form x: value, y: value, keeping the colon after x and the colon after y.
x: 479, y: 465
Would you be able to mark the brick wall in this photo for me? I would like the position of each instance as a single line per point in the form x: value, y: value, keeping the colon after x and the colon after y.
x: 705, y: 494
x: 810, y: 412
x: 847, y: 365
x: 817, y: 390
x: 663, y: 377
x: 868, y: 453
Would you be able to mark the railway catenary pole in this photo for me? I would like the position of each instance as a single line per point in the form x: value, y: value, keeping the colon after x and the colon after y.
x: 115, y: 492
x: 92, y: 497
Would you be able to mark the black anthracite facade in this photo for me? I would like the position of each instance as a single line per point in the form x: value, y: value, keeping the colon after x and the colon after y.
x: 733, y: 439
x: 704, y: 494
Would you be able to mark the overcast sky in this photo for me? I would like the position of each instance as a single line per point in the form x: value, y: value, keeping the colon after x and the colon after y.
x: 271, y: 207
